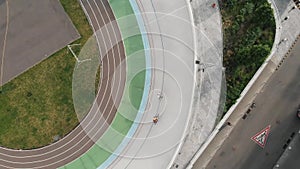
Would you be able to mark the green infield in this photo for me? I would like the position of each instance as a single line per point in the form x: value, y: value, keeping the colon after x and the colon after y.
x: 133, y: 92
x: 37, y: 107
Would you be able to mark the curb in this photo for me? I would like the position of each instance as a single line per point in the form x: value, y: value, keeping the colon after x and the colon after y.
x: 288, y: 52
x: 244, y: 92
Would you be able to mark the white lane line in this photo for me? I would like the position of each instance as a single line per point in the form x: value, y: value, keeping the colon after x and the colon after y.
x: 75, y: 56
x: 46, y: 153
x: 4, y: 45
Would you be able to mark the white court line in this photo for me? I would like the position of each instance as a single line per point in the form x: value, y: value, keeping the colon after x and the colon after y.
x: 4, y: 45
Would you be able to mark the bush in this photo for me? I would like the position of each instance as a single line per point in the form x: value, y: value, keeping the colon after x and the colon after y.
x: 249, y: 32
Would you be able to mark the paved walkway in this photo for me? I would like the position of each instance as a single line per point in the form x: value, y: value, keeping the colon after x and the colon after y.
x: 208, y: 97
x: 287, y: 32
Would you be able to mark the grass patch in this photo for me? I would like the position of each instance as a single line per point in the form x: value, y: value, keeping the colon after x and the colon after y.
x: 37, y: 105
x: 249, y: 32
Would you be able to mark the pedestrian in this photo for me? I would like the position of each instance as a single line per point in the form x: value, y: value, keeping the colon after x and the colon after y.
x: 155, y: 119
x: 294, y: 7
x: 253, y: 105
x: 286, y: 18
x: 213, y: 5
x: 159, y: 95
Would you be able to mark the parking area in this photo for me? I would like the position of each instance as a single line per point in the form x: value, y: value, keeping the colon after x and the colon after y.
x: 30, y: 31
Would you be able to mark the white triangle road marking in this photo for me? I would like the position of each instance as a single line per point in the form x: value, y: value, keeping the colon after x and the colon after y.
x: 261, y: 137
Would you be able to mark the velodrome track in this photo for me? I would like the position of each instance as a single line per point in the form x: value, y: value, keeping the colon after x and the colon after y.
x: 169, y: 31
x: 78, y: 142
x: 175, y: 85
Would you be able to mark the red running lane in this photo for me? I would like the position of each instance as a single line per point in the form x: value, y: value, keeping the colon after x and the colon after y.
x: 78, y: 142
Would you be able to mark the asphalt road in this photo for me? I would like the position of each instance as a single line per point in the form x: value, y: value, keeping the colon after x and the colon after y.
x: 78, y: 142
x: 291, y: 157
x: 276, y: 105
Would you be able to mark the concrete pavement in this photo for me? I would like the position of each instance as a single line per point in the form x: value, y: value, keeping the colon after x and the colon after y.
x: 290, y: 29
x: 208, y: 97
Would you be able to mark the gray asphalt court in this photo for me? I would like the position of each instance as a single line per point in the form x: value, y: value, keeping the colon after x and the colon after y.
x: 30, y: 31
